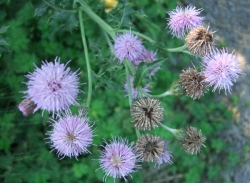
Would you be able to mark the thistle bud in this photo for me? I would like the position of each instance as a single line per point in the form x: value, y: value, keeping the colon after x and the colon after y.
x: 27, y: 106
x: 176, y: 89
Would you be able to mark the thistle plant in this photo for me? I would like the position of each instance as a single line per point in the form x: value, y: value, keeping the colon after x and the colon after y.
x: 55, y: 87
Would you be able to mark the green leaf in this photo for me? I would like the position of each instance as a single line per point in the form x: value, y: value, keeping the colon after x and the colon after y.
x: 3, y: 42
x: 3, y: 29
x: 144, y: 69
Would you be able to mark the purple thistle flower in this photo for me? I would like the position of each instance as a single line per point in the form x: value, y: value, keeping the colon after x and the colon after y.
x: 71, y: 134
x: 165, y: 157
x: 181, y: 20
x: 221, y: 69
x: 146, y: 56
x: 118, y: 159
x: 134, y: 91
x: 128, y: 46
x: 53, y: 87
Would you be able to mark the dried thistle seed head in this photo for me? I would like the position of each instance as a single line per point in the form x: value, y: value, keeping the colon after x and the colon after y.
x: 193, y: 140
x: 200, y: 41
x: 192, y: 83
x: 146, y: 113
x: 150, y: 147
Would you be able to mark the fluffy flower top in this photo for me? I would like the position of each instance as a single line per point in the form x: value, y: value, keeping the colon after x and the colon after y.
x: 166, y: 156
x: 146, y: 56
x: 53, y: 87
x: 183, y: 19
x: 221, y: 69
x: 134, y: 91
x: 71, y: 134
x: 118, y: 158
x: 128, y: 46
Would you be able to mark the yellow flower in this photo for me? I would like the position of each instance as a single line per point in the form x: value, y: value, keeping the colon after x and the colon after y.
x: 109, y: 4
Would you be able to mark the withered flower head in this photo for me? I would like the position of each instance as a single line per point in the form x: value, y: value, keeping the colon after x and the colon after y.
x: 192, y: 83
x: 146, y: 113
x: 27, y: 106
x: 150, y: 147
x: 200, y: 41
x: 193, y: 140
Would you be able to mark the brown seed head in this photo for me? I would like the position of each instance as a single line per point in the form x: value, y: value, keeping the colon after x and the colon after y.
x: 192, y: 83
x: 149, y: 147
x: 146, y: 113
x: 193, y: 140
x: 200, y: 41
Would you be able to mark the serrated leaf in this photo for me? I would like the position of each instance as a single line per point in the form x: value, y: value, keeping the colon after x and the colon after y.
x: 144, y: 69
x: 3, y: 29
x: 3, y: 42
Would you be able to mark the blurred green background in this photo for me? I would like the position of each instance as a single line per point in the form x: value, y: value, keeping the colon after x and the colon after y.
x: 37, y: 33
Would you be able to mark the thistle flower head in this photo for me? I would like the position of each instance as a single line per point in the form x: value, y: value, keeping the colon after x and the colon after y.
x: 146, y: 56
x: 134, y: 91
x: 128, y: 46
x: 166, y: 156
x: 27, y: 106
x: 200, y: 41
x: 146, y: 113
x: 221, y: 69
x: 150, y: 148
x: 193, y: 140
x: 118, y: 159
x: 71, y: 135
x: 53, y: 87
x: 183, y: 19
x: 192, y: 83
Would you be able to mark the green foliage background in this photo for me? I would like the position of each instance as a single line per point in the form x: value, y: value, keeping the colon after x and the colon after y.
x: 24, y: 154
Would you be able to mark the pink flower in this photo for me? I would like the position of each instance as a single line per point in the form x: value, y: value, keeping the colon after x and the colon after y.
x: 128, y: 46
x: 146, y: 56
x: 221, y: 69
x: 71, y: 134
x: 134, y: 91
x: 53, y: 87
x: 181, y: 20
x: 118, y: 159
x: 165, y: 157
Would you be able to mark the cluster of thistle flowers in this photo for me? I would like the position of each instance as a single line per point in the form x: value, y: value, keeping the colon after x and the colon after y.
x: 219, y: 68
x: 54, y: 88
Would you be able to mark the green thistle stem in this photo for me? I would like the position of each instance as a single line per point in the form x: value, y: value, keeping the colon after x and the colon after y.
x: 155, y: 96
x: 86, y: 58
x: 169, y: 129
x: 97, y: 19
x: 126, y: 64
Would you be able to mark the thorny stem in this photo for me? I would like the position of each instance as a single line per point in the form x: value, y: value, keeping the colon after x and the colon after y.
x: 155, y: 96
x: 125, y: 62
x: 86, y: 58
